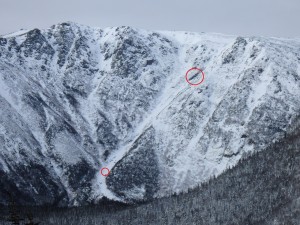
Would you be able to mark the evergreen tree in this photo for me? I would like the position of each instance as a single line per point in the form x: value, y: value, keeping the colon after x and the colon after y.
x: 14, y: 217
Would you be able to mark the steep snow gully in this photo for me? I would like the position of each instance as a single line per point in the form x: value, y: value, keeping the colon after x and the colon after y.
x: 75, y: 99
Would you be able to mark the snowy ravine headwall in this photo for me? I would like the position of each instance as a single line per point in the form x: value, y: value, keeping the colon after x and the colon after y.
x: 75, y: 99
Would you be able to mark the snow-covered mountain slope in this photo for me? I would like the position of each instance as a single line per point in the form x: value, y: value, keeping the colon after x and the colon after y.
x: 75, y: 99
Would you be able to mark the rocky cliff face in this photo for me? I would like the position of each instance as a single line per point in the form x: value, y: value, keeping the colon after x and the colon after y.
x: 75, y: 99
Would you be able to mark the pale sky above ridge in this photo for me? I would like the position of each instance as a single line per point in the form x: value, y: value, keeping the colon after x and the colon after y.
x: 238, y: 17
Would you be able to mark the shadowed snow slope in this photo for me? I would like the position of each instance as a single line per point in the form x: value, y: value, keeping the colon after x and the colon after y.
x: 75, y: 99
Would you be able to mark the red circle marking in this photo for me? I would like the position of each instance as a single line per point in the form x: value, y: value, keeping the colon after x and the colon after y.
x: 187, y: 79
x: 105, y: 174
